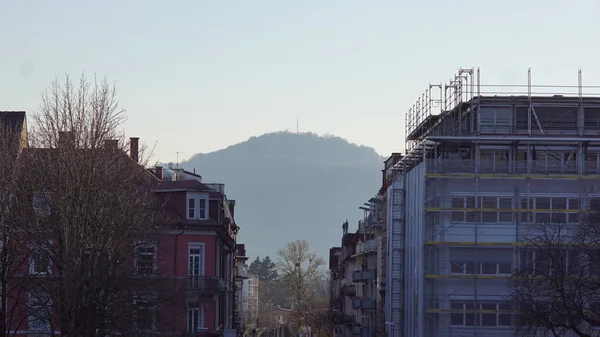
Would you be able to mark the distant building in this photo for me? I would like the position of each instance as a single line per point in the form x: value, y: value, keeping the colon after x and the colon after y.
x: 241, y: 277
x: 253, y: 298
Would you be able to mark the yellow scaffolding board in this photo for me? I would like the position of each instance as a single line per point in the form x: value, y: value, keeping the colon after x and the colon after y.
x: 459, y: 311
x: 468, y: 277
x: 497, y: 244
x: 503, y: 210
x: 513, y: 176
x: 465, y: 243
x: 497, y: 277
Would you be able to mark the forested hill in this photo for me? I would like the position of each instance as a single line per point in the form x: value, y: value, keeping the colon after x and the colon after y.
x: 291, y: 186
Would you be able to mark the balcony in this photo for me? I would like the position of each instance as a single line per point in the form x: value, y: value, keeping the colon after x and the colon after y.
x: 200, y: 286
x: 363, y: 275
x: 344, y: 319
x: 348, y: 290
x: 363, y: 304
x: 374, y: 220
x: 367, y: 247
x: 241, y: 272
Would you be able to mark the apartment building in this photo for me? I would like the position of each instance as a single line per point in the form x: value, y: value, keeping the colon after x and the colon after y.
x: 354, y: 278
x: 194, y: 255
x: 253, y: 299
x: 203, y: 250
x: 241, y: 296
x: 483, y: 164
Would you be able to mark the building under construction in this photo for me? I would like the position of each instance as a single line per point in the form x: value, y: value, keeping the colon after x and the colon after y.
x: 483, y: 164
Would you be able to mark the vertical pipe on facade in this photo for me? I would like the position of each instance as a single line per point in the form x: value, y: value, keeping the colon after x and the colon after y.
x: 580, y: 113
x: 529, y: 100
x: 478, y: 82
x: 477, y: 219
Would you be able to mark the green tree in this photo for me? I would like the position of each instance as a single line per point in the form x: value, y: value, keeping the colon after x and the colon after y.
x: 266, y: 269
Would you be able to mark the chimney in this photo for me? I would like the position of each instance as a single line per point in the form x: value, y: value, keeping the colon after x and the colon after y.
x: 158, y: 171
x: 111, y: 144
x: 134, y: 148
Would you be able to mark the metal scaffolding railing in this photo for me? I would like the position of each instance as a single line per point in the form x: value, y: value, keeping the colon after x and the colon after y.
x: 466, y: 87
x: 471, y: 166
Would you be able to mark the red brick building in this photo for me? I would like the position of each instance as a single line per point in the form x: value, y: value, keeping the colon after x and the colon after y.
x: 201, y: 248
x: 196, y: 248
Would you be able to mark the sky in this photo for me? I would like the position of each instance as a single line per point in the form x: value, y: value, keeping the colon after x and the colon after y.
x: 197, y: 76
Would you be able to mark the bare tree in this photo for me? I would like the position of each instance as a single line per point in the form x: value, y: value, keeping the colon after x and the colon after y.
x: 556, y: 287
x: 89, y: 210
x: 300, y: 269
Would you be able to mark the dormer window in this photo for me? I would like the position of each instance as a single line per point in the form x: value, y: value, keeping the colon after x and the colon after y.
x: 197, y: 206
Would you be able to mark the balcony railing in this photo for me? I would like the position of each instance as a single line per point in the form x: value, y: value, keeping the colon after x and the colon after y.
x: 242, y: 271
x: 363, y: 275
x: 448, y: 166
x: 343, y: 319
x: 367, y: 246
x: 348, y: 289
x: 205, y: 283
x: 363, y: 303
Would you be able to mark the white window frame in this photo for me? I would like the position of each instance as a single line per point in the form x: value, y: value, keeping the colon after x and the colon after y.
x: 202, y: 247
x: 196, y: 199
x: 44, y: 304
x: 570, y: 210
x: 570, y: 254
x: 199, y: 310
x: 195, y: 280
x: 142, y: 244
x: 478, y: 267
x: 33, y: 249
x: 477, y: 314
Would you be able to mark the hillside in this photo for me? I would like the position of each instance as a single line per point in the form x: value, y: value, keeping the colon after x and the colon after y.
x: 292, y: 186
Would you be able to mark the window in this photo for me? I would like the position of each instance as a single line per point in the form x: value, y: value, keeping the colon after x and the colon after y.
x: 488, y: 314
x: 196, y: 264
x: 41, y: 204
x: 195, y: 319
x: 493, y: 209
x: 480, y: 268
x: 197, y: 206
x: 573, y: 205
x: 39, y: 262
x: 545, y: 210
x: 462, y: 314
x: 545, y: 262
x: 39, y: 312
x: 145, y: 315
x: 467, y: 204
x: 145, y: 259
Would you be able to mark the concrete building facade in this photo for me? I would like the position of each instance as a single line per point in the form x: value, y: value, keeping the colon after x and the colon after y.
x: 484, y: 163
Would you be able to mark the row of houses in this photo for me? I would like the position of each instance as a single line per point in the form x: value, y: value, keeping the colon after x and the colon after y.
x: 486, y: 168
x: 196, y: 252
x: 358, y: 268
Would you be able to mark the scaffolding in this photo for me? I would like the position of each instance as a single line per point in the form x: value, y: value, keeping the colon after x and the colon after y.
x: 485, y: 163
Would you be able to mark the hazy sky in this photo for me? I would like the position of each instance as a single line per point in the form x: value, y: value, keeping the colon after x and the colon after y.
x: 197, y: 76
